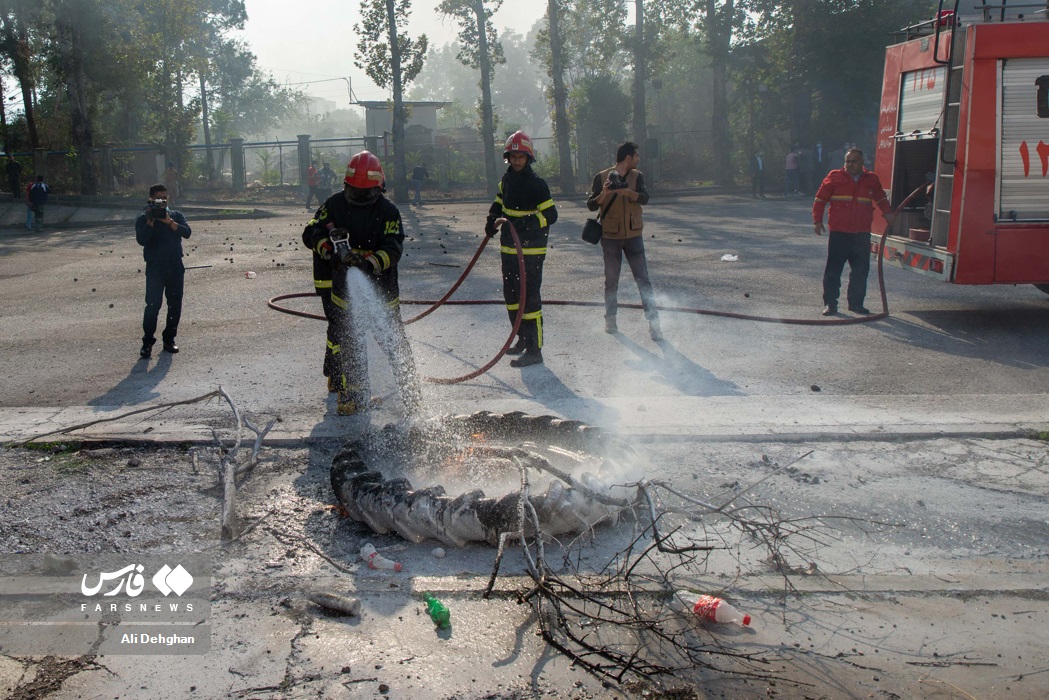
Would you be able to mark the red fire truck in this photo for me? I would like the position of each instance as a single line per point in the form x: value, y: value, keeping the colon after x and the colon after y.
x: 965, y: 108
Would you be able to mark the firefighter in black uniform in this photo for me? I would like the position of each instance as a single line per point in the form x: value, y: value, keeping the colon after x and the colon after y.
x: 360, y: 228
x: 523, y: 199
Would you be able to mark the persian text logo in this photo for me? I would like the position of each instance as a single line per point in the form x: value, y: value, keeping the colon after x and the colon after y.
x: 130, y: 580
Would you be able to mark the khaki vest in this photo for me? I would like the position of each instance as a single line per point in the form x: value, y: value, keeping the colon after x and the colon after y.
x: 623, y: 218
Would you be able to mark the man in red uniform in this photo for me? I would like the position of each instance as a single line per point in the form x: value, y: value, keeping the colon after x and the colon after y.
x: 371, y: 226
x: 523, y: 199
x: 852, y: 193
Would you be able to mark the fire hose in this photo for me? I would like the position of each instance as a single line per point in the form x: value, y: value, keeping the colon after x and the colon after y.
x: 445, y: 300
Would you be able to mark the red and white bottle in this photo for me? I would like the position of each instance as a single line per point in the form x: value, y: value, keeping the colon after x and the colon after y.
x: 712, y: 609
x: 378, y: 561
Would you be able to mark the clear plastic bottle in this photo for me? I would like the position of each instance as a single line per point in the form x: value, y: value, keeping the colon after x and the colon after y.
x: 712, y: 609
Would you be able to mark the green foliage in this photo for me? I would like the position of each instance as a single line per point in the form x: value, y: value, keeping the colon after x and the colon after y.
x: 602, y: 108
x: 267, y: 174
x: 465, y: 169
x: 376, y: 57
x: 548, y: 167
x: 464, y: 12
x: 142, y: 64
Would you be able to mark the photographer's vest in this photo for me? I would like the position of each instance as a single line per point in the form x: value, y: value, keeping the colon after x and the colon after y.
x: 623, y: 218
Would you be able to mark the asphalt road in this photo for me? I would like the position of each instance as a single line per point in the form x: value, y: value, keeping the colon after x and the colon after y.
x: 71, y: 302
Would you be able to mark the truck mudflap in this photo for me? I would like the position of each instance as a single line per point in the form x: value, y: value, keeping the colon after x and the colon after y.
x: 916, y: 257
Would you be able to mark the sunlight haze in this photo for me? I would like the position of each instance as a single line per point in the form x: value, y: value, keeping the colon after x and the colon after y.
x: 313, y: 40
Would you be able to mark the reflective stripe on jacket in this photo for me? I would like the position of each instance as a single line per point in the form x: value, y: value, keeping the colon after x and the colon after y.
x: 851, y: 201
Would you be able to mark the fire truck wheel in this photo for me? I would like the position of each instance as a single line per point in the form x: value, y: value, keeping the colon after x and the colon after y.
x: 1043, y: 287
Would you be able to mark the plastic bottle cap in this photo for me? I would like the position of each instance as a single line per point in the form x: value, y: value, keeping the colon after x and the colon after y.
x: 746, y: 620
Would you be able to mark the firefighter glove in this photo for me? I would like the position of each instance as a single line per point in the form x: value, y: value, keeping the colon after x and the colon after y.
x: 364, y: 265
x: 489, y: 227
x: 324, y: 248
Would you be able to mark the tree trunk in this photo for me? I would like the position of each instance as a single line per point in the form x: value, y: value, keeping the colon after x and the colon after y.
x: 3, y: 119
x: 719, y: 36
x: 564, y: 147
x: 71, y: 49
x: 487, y: 116
x: 400, y: 178
x: 801, y: 91
x: 21, y: 66
x: 206, y: 123
x: 640, y: 74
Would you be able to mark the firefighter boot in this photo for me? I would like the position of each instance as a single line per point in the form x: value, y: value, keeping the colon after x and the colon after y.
x: 610, y: 325
x: 518, y: 347
x: 532, y: 354
x: 352, y: 400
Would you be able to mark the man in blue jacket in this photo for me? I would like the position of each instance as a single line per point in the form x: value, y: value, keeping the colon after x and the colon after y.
x: 160, y: 231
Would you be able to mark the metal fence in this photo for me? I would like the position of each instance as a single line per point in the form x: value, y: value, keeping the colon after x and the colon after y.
x: 452, y: 163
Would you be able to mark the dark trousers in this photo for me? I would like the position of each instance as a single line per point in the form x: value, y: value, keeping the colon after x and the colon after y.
x: 531, y: 328
x: 15, y: 186
x: 854, y: 248
x: 757, y: 183
x: 634, y: 249
x: 315, y: 192
x: 163, y: 280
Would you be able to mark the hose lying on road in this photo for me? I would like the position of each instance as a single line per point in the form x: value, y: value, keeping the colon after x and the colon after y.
x: 434, y: 305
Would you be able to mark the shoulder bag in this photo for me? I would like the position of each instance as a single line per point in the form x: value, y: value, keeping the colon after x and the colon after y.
x: 592, y: 227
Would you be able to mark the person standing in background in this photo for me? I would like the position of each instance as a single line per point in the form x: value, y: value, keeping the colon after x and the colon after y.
x: 38, y: 200
x: 620, y: 192
x: 852, y: 193
x: 419, y: 174
x: 790, y: 172
x: 757, y: 175
x: 160, y: 230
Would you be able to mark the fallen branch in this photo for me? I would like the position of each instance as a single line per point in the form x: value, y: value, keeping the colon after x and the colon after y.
x: 64, y: 431
x: 228, y: 469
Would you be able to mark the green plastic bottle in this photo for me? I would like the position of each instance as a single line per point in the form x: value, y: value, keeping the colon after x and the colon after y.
x: 438, y: 612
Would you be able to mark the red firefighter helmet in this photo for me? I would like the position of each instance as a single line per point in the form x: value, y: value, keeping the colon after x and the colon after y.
x: 519, y: 142
x: 364, y: 171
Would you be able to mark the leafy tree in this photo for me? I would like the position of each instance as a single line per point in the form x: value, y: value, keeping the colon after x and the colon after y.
x: 480, y: 49
x: 391, y: 59
x: 19, y: 22
x: 600, y: 119
x: 560, y: 95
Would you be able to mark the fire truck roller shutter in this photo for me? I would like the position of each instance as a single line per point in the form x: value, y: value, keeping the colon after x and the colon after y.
x: 921, y: 100
x: 1024, y: 138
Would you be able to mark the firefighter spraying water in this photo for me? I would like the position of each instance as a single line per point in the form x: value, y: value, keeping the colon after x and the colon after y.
x: 360, y: 229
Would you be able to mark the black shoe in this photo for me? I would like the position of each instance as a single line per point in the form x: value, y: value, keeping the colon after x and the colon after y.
x: 860, y: 310
x: 830, y: 310
x: 528, y: 359
x: 170, y: 347
x: 146, y: 351
x: 517, y: 349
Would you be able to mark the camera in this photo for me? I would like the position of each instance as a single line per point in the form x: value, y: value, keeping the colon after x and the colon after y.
x: 615, y: 182
x: 157, y: 209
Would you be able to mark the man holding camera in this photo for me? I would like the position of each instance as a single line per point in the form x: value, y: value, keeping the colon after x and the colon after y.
x: 620, y: 192
x: 160, y: 231
x: 360, y: 228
